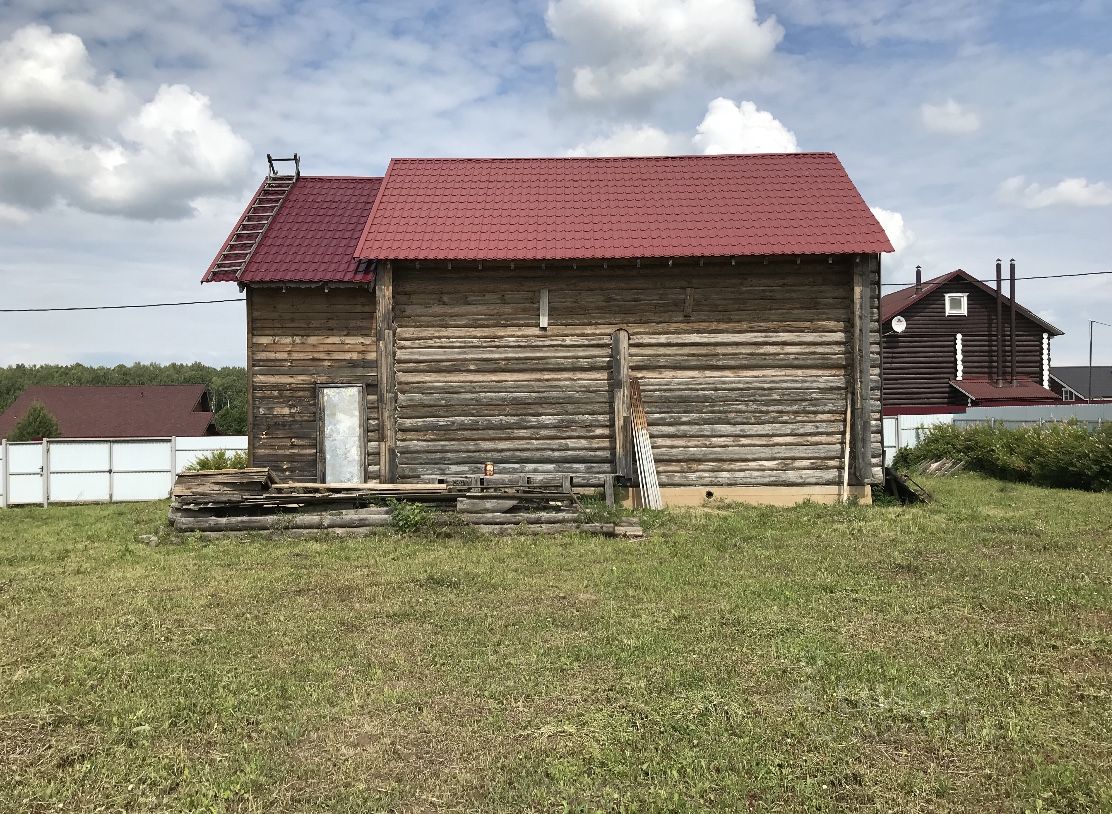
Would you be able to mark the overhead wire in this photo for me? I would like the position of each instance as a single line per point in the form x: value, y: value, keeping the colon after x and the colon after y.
x: 115, y: 307
x: 242, y: 299
x: 1030, y: 277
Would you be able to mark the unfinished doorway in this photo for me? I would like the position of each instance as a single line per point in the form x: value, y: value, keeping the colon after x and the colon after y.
x: 341, y: 441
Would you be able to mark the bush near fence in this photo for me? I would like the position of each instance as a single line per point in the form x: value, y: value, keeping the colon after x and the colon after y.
x: 219, y: 459
x: 1062, y: 454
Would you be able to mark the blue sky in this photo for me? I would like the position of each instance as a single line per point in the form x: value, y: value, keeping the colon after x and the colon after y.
x: 130, y: 140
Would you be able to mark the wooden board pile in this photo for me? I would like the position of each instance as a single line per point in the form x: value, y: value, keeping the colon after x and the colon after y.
x: 233, y: 501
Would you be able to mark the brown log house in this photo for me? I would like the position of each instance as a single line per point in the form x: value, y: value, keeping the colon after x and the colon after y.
x: 953, y: 342
x: 460, y: 312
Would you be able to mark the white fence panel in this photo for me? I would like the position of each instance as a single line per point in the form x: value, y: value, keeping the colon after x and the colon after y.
x: 79, y: 487
x: 144, y: 455
x: 141, y: 485
x: 79, y: 456
x: 141, y: 469
x: 80, y: 471
x: 100, y: 470
x: 24, y: 473
x: 906, y: 430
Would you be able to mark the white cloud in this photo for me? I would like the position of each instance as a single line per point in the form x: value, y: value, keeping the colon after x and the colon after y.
x: 144, y: 161
x: 895, y: 228
x: 48, y: 84
x: 742, y: 128
x: 949, y: 117
x: 629, y: 49
x: 1067, y: 192
x: 629, y: 140
x: 11, y: 214
x: 727, y: 127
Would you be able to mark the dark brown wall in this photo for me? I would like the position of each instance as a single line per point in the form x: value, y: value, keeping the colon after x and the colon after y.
x: 299, y: 338
x: 920, y: 362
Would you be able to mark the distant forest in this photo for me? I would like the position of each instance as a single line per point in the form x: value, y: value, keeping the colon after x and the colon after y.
x: 227, y: 385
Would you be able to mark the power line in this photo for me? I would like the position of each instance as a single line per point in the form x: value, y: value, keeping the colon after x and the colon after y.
x: 1032, y: 277
x: 241, y: 299
x: 114, y: 307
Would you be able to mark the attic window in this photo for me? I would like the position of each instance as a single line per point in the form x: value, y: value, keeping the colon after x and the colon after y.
x: 957, y: 305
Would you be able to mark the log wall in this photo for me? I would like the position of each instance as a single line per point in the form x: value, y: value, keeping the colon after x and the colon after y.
x: 920, y: 362
x: 299, y: 338
x: 744, y: 368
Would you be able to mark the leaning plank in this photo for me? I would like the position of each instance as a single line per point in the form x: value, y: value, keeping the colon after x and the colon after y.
x: 646, y: 467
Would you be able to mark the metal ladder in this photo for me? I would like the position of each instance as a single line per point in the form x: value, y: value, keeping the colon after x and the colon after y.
x: 261, y: 211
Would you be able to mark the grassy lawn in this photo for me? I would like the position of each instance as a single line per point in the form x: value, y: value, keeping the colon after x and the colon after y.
x: 956, y: 657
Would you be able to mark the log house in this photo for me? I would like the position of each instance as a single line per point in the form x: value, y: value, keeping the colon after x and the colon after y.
x: 460, y: 312
x: 960, y: 343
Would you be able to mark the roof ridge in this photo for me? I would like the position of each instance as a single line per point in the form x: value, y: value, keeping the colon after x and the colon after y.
x: 674, y: 157
x: 339, y: 178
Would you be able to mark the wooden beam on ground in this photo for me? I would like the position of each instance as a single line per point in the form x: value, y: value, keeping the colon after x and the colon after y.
x: 387, y: 390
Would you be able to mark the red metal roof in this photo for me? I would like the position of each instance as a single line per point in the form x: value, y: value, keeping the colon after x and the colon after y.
x: 138, y: 411
x: 580, y: 208
x: 1025, y: 389
x: 312, y: 238
x: 899, y: 301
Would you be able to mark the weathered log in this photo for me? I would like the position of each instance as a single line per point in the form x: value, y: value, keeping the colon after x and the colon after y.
x: 280, y: 522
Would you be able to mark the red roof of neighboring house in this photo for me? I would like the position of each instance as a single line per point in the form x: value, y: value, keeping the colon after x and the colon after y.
x: 313, y: 237
x: 137, y: 411
x: 581, y: 208
x: 899, y: 301
x: 1025, y: 389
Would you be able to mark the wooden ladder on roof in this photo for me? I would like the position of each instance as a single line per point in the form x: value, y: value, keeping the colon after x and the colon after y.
x: 257, y: 218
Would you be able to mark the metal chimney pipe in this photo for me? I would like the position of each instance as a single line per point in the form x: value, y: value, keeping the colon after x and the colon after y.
x: 918, y: 279
x: 1011, y: 329
x: 999, y: 324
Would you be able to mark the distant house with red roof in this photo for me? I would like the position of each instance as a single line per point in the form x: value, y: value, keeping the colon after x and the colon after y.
x: 460, y: 312
x: 948, y: 343
x: 134, y: 411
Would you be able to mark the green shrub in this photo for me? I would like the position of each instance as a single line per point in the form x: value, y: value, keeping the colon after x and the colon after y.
x: 220, y: 459
x: 1061, y: 454
x: 409, y: 517
x: 37, y: 423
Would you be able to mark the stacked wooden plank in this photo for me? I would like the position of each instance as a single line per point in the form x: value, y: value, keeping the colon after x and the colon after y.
x: 249, y: 500
x: 228, y: 484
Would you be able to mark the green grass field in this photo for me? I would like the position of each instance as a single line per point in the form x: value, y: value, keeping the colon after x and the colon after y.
x: 956, y: 657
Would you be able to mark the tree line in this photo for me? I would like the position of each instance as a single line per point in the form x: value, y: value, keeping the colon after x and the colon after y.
x: 227, y: 385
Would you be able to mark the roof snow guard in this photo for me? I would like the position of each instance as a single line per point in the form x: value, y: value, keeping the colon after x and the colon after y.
x: 584, y: 208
